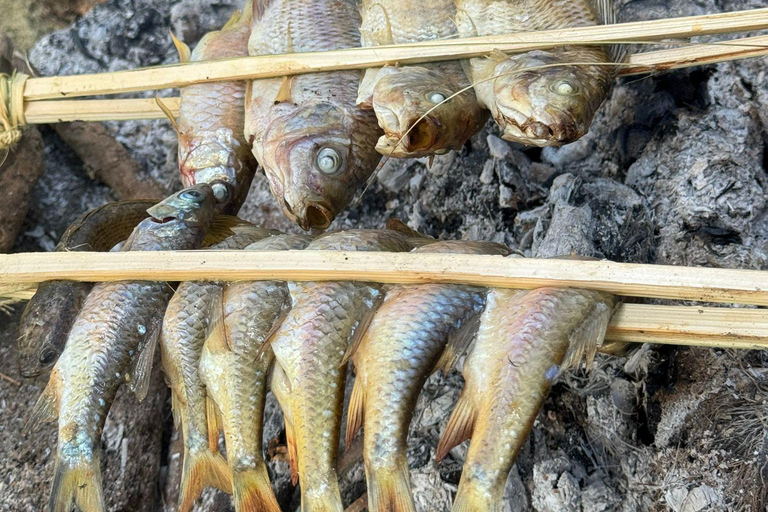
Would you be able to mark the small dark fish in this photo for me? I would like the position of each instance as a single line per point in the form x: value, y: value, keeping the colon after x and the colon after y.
x: 117, y: 327
x: 49, y: 315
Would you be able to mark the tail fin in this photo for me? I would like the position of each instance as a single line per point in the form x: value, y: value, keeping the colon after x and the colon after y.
x: 78, y: 483
x: 201, y: 470
x: 253, y: 491
x: 389, y: 490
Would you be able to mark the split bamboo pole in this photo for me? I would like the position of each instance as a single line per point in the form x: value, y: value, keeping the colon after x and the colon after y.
x: 42, y: 112
x: 634, y: 280
x: 269, y: 66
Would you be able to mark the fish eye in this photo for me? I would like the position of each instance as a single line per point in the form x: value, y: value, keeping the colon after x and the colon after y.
x: 564, y: 88
x: 47, y: 356
x: 328, y: 160
x: 436, y: 97
x: 220, y: 192
x: 191, y: 195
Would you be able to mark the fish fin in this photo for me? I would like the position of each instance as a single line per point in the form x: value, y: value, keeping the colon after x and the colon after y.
x: 253, y: 492
x: 185, y: 53
x: 46, y: 409
x: 458, y: 344
x: 285, y: 90
x: 204, y: 469
x: 218, y: 340
x: 588, y: 336
x: 388, y: 38
x: 259, y: 7
x: 361, y: 328
x: 176, y: 411
x: 460, y: 426
x: 141, y: 375
x: 80, y: 484
x: 266, y: 345
x: 233, y: 20
x: 213, y: 419
x: 607, y: 15
x: 355, y: 411
x: 415, y: 238
x: 389, y: 490
x: 293, y: 450
x: 365, y: 90
x: 169, y: 114
x: 222, y: 227
x: 498, y: 56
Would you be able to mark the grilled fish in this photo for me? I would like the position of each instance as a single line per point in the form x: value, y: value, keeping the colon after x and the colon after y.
x: 234, y: 369
x: 212, y: 147
x: 524, y: 341
x: 117, y: 325
x: 310, y: 347
x: 401, y: 95
x: 185, y: 326
x: 401, y: 347
x: 547, y: 106
x: 317, y: 147
x: 49, y: 315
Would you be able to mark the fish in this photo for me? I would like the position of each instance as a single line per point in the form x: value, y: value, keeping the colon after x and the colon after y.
x: 49, y: 315
x: 525, y: 340
x: 535, y: 106
x: 411, y: 330
x: 185, y: 328
x: 235, y: 369
x: 112, y: 341
x: 401, y: 96
x: 212, y: 146
x: 310, y: 346
x: 316, y: 146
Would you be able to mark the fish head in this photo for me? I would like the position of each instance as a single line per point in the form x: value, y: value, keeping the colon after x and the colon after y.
x: 194, y: 205
x: 45, y: 324
x: 216, y: 157
x: 312, y: 162
x: 417, y: 121
x: 548, y: 106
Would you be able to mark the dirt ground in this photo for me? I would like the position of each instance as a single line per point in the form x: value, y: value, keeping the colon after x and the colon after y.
x: 673, y: 171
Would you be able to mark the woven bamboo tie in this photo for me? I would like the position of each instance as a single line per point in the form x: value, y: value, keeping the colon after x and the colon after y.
x: 11, y: 109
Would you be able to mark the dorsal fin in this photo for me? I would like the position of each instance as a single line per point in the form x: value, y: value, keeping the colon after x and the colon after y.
x: 605, y: 10
x: 233, y: 20
x: 184, y: 52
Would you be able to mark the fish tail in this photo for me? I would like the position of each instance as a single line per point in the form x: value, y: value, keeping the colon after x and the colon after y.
x: 253, y: 491
x: 389, y: 490
x: 470, y: 499
x: 200, y: 470
x: 79, y: 483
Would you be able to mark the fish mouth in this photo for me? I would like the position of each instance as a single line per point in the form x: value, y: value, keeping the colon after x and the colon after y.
x: 415, y: 137
x: 537, y: 130
x: 310, y: 215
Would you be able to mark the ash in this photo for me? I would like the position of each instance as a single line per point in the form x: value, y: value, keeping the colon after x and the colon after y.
x: 673, y: 171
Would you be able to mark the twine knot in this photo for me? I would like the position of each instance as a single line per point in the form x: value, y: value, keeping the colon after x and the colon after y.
x: 11, y: 109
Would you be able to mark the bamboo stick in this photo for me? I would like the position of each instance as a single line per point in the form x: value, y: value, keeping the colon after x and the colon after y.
x: 656, y: 281
x: 42, y: 112
x: 267, y: 66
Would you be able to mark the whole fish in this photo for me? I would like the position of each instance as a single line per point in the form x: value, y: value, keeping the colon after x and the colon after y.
x: 547, y: 106
x: 234, y: 369
x: 401, y: 95
x: 49, y: 315
x: 401, y: 347
x: 212, y: 147
x: 310, y: 347
x: 118, y: 325
x: 317, y: 147
x: 524, y: 341
x: 185, y: 326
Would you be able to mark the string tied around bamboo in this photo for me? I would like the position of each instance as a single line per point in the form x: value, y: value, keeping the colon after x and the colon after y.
x: 11, y: 109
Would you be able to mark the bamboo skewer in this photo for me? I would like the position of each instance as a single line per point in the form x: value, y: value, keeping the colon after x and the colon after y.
x: 41, y: 112
x: 635, y: 280
x: 268, y: 66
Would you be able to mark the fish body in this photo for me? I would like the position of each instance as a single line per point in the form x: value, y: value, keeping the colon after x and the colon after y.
x: 549, y: 106
x: 401, y: 95
x: 525, y: 339
x: 49, y: 315
x: 310, y: 347
x: 212, y: 146
x: 317, y: 147
x: 234, y: 369
x: 185, y: 326
x: 117, y: 326
x: 398, y: 351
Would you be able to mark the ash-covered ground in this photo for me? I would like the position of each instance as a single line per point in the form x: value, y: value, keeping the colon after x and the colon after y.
x: 673, y: 171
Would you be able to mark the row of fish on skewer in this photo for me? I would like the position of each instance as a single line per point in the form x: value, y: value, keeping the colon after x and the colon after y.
x: 320, y: 136
x: 224, y: 345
